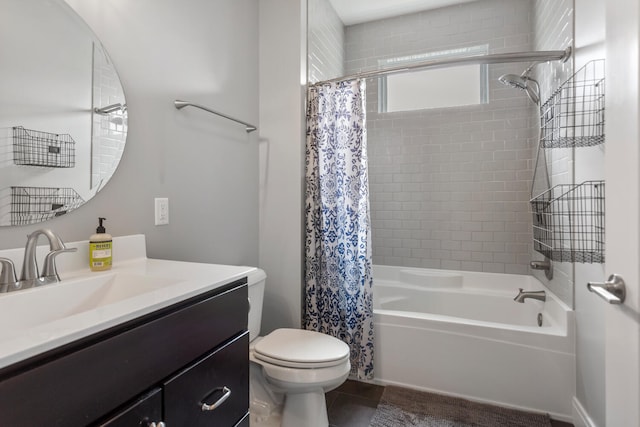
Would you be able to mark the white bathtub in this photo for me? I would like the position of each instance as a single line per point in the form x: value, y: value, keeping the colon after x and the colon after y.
x: 461, y: 333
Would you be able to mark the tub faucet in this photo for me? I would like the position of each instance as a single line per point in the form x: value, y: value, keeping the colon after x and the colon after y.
x: 523, y: 295
x: 30, y: 275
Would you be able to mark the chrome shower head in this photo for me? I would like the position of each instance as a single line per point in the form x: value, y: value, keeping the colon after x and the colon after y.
x: 513, y: 80
x: 522, y: 82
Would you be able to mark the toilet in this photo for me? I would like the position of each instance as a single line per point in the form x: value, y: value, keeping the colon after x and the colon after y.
x: 290, y: 369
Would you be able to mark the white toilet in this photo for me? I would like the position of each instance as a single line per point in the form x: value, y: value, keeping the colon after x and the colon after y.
x: 291, y: 369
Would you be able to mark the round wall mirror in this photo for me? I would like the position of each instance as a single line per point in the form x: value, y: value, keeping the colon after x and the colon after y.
x: 63, y: 114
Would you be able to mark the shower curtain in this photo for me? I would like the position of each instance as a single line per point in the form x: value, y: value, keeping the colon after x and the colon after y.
x: 338, y: 280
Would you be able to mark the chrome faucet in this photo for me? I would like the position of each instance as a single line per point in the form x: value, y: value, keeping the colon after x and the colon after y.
x: 523, y: 295
x: 30, y: 275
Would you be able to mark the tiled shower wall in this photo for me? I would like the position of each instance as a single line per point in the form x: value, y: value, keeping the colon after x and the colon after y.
x: 450, y: 187
x: 109, y: 130
x: 326, y: 42
x: 553, y: 30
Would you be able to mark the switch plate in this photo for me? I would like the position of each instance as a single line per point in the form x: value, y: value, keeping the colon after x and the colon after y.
x: 162, y: 210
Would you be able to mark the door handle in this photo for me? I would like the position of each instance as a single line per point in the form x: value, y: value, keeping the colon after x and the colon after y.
x: 613, y: 290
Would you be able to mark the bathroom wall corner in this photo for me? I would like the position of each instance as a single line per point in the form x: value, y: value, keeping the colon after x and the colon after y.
x: 283, y: 58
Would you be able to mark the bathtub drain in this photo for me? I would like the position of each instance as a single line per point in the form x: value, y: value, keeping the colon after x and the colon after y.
x: 539, y: 319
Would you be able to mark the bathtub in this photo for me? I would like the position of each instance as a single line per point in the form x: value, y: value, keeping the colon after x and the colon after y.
x: 461, y: 333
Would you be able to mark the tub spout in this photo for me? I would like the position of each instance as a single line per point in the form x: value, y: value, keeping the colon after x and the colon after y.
x: 523, y: 295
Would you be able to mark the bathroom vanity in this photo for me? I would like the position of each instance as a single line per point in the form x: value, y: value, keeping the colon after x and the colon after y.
x: 176, y: 353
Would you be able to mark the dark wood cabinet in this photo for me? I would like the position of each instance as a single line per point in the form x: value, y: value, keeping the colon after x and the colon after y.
x: 144, y: 412
x: 154, y: 367
x: 220, y: 377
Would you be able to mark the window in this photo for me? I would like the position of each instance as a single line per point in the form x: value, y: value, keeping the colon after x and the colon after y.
x: 434, y: 88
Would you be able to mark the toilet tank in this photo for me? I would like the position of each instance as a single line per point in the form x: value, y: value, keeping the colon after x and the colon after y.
x: 256, y: 281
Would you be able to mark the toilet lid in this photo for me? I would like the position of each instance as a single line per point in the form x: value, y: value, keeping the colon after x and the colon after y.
x: 299, y: 348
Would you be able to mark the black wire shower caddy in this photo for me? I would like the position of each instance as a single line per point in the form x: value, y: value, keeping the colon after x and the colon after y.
x: 569, y: 219
x: 574, y: 114
x: 36, y: 204
x: 37, y: 148
x: 568, y: 222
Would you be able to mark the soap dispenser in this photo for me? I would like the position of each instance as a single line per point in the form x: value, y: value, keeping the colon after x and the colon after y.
x: 100, y: 248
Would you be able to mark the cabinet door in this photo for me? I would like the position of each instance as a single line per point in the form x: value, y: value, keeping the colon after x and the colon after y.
x: 222, y: 376
x: 144, y: 412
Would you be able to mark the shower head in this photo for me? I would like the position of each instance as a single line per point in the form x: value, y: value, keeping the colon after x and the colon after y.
x: 522, y: 82
x: 513, y: 80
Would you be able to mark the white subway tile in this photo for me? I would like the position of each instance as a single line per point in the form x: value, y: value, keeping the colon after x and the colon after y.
x: 437, y: 171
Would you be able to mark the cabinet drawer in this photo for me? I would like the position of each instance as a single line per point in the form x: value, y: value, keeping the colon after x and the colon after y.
x: 226, y: 370
x: 143, y: 412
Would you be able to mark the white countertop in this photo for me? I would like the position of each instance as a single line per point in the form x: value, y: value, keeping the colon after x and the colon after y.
x: 40, y: 319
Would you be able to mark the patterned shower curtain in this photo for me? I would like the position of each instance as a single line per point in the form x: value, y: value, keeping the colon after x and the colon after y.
x: 338, y: 279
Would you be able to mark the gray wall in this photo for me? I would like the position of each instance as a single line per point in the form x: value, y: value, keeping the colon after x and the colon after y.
x: 450, y: 187
x: 283, y: 58
x: 198, y: 50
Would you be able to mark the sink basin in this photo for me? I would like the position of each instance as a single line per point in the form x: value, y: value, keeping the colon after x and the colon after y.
x: 52, y: 302
x: 41, y: 319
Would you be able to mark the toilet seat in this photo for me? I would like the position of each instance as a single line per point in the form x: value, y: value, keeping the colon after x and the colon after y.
x: 287, y: 377
x: 301, y: 349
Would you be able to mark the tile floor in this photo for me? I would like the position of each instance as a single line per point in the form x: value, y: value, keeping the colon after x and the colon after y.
x: 354, y: 403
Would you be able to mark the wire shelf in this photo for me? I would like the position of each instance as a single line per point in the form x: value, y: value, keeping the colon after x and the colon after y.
x: 568, y: 222
x: 36, y: 204
x: 574, y: 115
x: 36, y: 148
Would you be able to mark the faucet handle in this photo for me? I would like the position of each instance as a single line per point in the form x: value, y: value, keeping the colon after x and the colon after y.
x: 49, y: 269
x: 517, y: 297
x: 7, y: 272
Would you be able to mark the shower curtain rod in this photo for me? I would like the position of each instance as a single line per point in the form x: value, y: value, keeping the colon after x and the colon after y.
x: 497, y: 58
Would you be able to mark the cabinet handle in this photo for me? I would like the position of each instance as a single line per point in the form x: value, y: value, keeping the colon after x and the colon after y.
x: 217, y: 403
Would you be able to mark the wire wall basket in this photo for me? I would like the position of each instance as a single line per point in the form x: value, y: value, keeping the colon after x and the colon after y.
x: 35, y: 204
x: 36, y: 148
x: 568, y: 222
x: 574, y: 115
